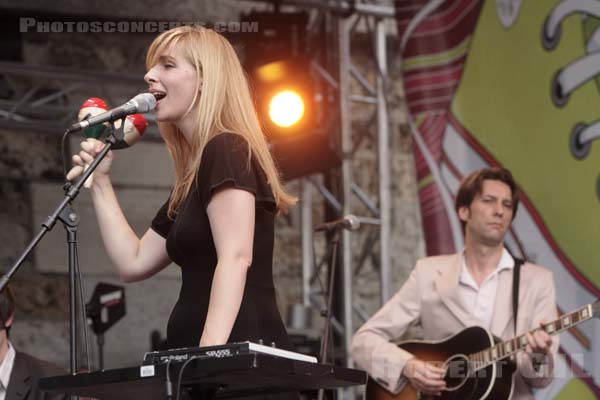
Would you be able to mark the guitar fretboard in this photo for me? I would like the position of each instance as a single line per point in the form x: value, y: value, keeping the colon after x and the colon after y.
x: 484, y: 358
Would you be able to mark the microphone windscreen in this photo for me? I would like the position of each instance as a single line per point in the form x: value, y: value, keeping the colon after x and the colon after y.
x: 145, y: 102
x: 353, y: 222
x: 90, y: 108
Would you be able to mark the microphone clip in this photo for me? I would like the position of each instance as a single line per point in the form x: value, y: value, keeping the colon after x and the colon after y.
x: 349, y: 222
x: 117, y: 134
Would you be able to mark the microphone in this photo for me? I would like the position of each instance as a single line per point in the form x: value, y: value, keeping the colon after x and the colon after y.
x: 350, y: 222
x: 142, y: 103
x: 135, y: 124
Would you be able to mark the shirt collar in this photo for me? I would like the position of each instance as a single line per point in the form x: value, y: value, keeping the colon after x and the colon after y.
x: 7, y: 366
x: 506, y: 262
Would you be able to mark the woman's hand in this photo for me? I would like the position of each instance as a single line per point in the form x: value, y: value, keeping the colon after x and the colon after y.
x: 90, y: 148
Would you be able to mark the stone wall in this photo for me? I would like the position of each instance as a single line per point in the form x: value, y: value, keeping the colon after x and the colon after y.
x: 30, y: 186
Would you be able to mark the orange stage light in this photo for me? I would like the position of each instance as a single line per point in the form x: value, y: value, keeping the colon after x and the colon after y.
x: 286, y: 108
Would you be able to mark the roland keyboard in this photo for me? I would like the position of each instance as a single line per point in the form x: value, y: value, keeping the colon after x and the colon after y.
x: 233, y: 370
x: 221, y: 351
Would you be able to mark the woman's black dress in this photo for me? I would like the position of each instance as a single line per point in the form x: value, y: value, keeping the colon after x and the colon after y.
x: 190, y: 245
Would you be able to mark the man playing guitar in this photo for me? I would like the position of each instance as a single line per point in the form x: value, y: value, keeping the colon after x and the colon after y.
x: 446, y: 294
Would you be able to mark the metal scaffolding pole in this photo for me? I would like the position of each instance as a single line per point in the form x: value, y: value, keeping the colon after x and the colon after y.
x: 346, y: 144
x: 341, y: 7
x: 383, y: 133
x: 307, y: 240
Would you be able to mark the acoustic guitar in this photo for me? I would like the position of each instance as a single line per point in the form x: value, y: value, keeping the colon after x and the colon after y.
x: 477, y: 365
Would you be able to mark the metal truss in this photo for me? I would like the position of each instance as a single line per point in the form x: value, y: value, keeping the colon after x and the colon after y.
x: 373, y: 97
x: 354, y: 90
x: 47, y: 99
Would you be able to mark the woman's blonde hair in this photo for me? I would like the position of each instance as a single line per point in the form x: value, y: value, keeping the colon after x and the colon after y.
x: 225, y: 105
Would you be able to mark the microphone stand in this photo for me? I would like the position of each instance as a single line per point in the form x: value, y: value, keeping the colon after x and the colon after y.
x: 327, y: 329
x: 70, y: 219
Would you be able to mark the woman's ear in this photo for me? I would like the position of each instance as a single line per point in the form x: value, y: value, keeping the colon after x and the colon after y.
x: 8, y: 322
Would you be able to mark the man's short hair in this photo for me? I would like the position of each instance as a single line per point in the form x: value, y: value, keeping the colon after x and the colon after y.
x: 473, y: 184
x: 7, y: 306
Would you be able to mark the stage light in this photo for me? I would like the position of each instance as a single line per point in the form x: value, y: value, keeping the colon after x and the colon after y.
x: 286, y: 93
x: 286, y: 108
x: 272, y: 72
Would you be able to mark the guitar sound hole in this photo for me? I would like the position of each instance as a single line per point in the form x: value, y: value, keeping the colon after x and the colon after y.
x: 457, y: 371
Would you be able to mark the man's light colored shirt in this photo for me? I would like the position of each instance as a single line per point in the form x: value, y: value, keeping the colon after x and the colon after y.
x: 6, y: 369
x: 479, y: 300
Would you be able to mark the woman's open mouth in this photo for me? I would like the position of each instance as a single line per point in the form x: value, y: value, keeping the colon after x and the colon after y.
x: 159, y: 95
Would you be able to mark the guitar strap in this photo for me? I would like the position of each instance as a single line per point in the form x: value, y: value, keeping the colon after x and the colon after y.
x: 515, y: 289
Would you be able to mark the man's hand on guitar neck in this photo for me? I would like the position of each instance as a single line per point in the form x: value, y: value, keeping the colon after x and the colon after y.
x: 538, y: 347
x: 425, y: 376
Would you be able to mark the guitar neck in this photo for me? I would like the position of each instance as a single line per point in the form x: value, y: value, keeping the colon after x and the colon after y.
x: 505, y: 349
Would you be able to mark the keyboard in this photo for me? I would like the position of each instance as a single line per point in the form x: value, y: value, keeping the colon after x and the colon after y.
x: 221, y: 351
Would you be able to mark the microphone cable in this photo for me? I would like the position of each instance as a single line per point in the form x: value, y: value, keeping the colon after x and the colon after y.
x: 63, y: 153
x: 85, y: 327
x: 169, y: 384
x: 185, y: 364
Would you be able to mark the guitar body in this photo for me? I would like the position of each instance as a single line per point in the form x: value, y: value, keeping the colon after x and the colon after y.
x: 493, y: 382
